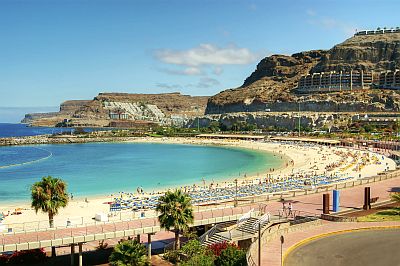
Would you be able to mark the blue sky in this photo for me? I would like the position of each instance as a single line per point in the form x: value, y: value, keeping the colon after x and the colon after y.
x: 52, y: 51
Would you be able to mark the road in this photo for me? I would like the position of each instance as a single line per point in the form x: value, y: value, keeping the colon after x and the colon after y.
x: 363, y: 248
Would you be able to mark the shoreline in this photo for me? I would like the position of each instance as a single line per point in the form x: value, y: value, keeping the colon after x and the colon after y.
x: 242, y: 177
x: 307, y: 159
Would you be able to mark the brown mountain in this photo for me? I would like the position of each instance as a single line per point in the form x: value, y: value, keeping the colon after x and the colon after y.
x: 271, y: 86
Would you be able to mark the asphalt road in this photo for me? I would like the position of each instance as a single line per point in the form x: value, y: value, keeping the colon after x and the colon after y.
x: 364, y: 248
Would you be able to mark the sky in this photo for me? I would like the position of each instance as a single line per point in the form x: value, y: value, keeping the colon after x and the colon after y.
x: 52, y: 51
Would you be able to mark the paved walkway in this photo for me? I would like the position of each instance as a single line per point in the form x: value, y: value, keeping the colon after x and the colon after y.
x: 109, y: 227
x: 350, y: 198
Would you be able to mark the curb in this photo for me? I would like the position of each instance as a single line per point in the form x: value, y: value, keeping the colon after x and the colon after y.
x: 309, y: 239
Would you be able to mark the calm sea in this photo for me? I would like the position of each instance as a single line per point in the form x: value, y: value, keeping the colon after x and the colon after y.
x: 104, y: 168
x: 20, y: 130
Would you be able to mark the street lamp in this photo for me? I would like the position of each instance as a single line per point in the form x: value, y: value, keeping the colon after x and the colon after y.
x: 236, y: 201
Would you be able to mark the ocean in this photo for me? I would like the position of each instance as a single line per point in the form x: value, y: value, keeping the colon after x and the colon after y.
x: 103, y: 168
x: 20, y: 130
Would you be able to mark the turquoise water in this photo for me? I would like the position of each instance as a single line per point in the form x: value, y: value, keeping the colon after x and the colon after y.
x: 104, y: 168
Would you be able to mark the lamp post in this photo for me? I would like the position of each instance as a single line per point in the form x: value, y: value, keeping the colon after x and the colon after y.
x: 299, y: 118
x: 236, y: 183
x: 282, y: 241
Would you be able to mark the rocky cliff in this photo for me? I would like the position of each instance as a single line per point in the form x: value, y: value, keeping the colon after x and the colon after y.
x: 271, y: 86
x: 377, y: 52
x: 67, y: 109
x: 166, y: 108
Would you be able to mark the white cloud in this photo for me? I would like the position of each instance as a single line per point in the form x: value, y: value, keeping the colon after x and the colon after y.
x: 204, y: 83
x: 188, y: 71
x: 169, y: 86
x: 207, y: 54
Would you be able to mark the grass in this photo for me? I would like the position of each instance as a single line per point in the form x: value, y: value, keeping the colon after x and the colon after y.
x: 391, y: 214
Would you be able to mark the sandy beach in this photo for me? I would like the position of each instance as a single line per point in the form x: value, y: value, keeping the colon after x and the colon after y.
x: 306, y: 159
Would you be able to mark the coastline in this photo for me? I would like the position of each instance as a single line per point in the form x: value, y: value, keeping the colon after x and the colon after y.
x: 306, y: 159
x: 221, y: 179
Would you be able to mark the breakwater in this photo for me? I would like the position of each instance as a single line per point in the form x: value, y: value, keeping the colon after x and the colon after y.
x: 48, y: 139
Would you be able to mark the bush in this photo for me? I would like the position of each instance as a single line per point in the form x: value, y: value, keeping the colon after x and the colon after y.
x: 192, y: 248
x: 218, y: 247
x: 3, y: 260
x: 172, y: 256
x: 27, y: 257
x: 203, y: 260
x: 231, y: 256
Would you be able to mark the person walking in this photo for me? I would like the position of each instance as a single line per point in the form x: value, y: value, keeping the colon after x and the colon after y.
x: 283, y: 208
x: 290, y: 208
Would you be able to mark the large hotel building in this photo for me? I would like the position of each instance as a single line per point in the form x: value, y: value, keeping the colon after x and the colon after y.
x: 333, y: 81
x: 389, y: 80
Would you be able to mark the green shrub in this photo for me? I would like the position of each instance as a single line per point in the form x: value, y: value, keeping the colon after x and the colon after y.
x: 203, y: 260
x: 231, y: 256
x: 172, y: 256
x: 192, y: 248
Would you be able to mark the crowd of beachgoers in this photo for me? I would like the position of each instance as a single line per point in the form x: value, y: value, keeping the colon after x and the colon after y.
x: 350, y: 162
x: 305, y: 166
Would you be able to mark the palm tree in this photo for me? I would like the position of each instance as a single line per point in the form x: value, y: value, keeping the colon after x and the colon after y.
x: 49, y: 195
x: 175, y: 212
x: 129, y: 252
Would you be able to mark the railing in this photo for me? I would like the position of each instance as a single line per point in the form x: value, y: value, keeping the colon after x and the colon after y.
x: 308, y: 217
x: 249, y: 257
x: 43, y: 225
x: 55, y: 233
x: 204, y: 237
x: 92, y: 228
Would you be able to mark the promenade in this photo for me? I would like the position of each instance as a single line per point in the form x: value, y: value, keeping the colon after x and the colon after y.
x: 350, y: 198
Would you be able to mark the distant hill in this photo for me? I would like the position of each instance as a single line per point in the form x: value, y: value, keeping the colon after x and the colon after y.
x: 164, y: 108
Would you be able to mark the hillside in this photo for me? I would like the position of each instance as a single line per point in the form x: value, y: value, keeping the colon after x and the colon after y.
x: 165, y: 108
x: 271, y: 86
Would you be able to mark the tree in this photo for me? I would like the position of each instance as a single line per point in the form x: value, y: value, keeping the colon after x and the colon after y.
x: 49, y: 195
x: 129, y: 252
x: 176, y: 212
x: 214, y: 126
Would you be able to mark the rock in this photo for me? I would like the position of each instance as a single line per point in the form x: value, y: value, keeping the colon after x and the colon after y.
x: 271, y: 86
x: 164, y: 108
